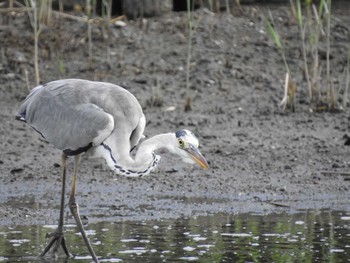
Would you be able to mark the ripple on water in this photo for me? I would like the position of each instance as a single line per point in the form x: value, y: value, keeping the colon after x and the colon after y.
x: 199, y: 239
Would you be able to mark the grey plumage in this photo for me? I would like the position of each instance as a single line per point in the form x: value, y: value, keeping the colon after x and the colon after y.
x: 73, y: 114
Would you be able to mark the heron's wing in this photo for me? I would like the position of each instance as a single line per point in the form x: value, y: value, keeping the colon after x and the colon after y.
x: 73, y: 129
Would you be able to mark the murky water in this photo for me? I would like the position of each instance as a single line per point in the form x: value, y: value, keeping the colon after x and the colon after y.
x: 308, y: 236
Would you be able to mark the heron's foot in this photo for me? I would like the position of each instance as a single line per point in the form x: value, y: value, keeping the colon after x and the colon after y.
x: 57, y: 240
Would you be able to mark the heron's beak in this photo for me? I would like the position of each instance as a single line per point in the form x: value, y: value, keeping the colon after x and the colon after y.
x: 197, y: 156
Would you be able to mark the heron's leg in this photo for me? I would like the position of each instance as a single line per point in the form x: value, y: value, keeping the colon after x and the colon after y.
x: 57, y: 237
x: 74, y: 208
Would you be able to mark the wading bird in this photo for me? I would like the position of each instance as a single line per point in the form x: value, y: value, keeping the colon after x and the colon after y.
x: 79, y: 116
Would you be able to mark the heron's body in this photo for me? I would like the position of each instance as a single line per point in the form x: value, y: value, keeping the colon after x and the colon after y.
x: 87, y: 114
x: 77, y: 116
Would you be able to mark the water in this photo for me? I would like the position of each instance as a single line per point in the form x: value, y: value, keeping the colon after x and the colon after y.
x: 308, y: 236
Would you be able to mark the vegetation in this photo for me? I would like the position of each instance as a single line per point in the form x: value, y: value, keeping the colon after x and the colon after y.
x: 288, y: 100
x: 314, y: 24
x: 315, y: 31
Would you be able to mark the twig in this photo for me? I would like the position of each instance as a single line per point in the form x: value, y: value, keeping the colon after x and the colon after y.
x: 75, y: 18
x: 15, y: 9
x: 335, y: 173
x: 276, y: 204
x: 258, y: 199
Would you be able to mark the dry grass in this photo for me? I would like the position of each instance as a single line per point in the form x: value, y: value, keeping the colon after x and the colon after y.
x: 41, y: 15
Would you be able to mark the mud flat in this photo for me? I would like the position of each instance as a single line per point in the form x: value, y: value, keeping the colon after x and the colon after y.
x: 262, y: 159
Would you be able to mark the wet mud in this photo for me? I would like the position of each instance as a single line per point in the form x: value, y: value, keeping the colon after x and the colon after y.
x: 262, y: 159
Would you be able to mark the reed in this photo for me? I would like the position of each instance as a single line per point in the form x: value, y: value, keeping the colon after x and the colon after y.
x: 37, y: 28
x: 89, y: 30
x: 288, y: 100
x: 302, y: 28
x: 347, y: 81
x: 277, y: 40
x: 188, y: 106
x: 331, y: 94
x: 106, y: 16
x: 314, y: 30
x: 313, y: 33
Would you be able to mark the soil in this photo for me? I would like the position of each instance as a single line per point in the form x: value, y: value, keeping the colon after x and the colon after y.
x: 262, y: 158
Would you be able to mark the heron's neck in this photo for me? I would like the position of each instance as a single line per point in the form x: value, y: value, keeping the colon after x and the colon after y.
x: 145, y: 159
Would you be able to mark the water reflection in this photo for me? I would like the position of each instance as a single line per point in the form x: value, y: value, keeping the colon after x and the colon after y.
x: 302, y: 237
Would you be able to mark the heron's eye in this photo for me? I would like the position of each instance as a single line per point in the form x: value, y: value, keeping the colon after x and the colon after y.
x: 181, y: 143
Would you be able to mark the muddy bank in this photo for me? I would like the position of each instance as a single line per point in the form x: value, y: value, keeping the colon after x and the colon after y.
x: 262, y: 159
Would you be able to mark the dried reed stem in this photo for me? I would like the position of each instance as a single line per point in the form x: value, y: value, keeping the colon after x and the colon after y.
x: 189, y: 53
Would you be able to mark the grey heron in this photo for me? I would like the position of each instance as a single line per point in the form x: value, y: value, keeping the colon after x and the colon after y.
x: 106, y: 120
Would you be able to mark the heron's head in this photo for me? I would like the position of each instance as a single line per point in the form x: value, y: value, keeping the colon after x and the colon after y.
x: 187, y: 148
